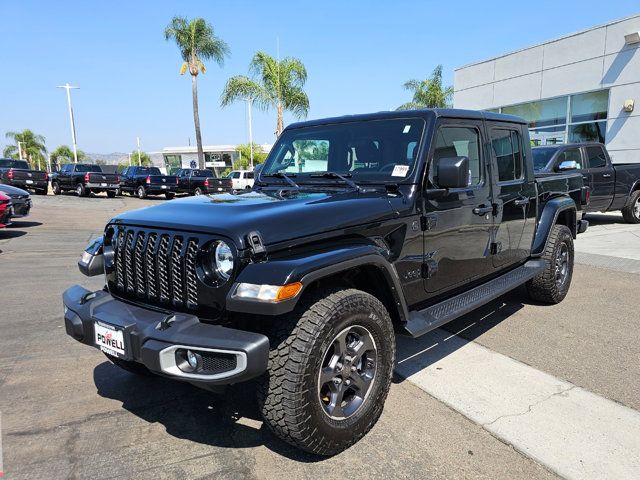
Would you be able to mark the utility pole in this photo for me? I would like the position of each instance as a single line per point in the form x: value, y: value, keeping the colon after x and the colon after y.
x: 20, y: 150
x: 249, y: 101
x: 139, y: 156
x: 129, y: 159
x: 68, y: 88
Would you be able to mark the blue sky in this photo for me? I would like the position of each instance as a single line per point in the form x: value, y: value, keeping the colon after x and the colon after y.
x: 357, y: 53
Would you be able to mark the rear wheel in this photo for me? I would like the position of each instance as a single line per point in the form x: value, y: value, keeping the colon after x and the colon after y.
x: 141, y: 192
x: 329, y: 371
x: 132, y: 367
x: 169, y: 195
x: 55, y: 187
x: 552, y: 284
x: 111, y: 193
x: 631, y: 213
x: 197, y: 191
x: 81, y: 191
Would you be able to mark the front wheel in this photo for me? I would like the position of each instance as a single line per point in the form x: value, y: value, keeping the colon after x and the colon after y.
x: 552, y: 284
x: 141, y: 192
x: 330, y: 369
x: 197, y: 191
x: 55, y: 186
x: 631, y: 213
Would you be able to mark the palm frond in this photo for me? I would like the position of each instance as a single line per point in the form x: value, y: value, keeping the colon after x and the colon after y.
x: 240, y: 88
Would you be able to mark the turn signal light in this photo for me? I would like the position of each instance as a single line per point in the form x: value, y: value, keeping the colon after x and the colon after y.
x: 288, y: 291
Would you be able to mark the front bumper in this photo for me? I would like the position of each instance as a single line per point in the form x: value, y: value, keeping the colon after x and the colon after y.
x: 154, y: 338
x: 21, y: 209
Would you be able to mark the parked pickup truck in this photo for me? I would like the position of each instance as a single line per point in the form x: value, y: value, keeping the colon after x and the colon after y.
x: 143, y: 181
x: 18, y: 174
x: 84, y: 179
x: 612, y: 186
x: 410, y: 220
x: 198, y: 182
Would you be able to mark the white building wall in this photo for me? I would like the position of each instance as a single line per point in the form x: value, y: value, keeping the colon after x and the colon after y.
x: 593, y: 59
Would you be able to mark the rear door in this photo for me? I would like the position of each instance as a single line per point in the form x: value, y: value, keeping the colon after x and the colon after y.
x: 514, y: 195
x: 459, y: 223
x: 602, y: 178
x: 66, y: 173
x: 183, y: 180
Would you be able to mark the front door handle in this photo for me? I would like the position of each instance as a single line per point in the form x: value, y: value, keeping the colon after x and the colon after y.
x: 606, y: 175
x: 482, y: 210
x: 521, y: 201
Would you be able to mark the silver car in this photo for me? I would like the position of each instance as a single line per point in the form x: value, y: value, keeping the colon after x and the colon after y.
x: 20, y: 198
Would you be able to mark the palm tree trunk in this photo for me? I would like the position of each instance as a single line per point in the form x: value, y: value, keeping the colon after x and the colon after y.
x: 196, y: 121
x: 280, y: 123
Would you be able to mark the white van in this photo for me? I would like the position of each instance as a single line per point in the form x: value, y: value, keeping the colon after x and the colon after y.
x: 241, y: 179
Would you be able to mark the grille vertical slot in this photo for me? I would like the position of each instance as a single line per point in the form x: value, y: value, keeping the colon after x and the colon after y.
x: 177, y: 283
x: 190, y: 273
x: 163, y: 268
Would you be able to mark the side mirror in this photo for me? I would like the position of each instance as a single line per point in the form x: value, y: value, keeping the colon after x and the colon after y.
x: 453, y: 172
x: 567, y: 165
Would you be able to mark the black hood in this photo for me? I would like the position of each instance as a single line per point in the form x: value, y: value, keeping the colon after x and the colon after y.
x: 277, y: 217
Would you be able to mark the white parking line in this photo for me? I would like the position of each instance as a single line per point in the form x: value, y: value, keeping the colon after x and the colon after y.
x: 571, y: 431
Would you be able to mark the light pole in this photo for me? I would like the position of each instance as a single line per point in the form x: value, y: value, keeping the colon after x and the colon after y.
x: 139, y: 156
x: 68, y: 88
x: 249, y: 101
x: 20, y: 149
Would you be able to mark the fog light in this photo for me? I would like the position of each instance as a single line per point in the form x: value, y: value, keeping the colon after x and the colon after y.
x: 188, y: 361
x: 192, y: 359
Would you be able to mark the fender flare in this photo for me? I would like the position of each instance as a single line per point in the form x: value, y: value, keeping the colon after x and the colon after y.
x: 634, y: 187
x: 548, y: 218
x: 308, y: 269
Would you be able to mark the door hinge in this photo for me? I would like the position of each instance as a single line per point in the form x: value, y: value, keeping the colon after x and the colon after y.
x: 428, y: 222
x: 256, y: 244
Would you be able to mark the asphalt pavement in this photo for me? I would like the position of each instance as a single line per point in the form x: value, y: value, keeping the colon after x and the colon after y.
x: 69, y: 413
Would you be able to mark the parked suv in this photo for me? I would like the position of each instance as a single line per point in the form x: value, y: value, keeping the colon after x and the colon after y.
x: 358, y: 227
x: 612, y: 186
x: 241, y: 179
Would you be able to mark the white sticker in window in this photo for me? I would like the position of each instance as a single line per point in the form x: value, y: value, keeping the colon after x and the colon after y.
x: 400, y: 171
x: 406, y: 129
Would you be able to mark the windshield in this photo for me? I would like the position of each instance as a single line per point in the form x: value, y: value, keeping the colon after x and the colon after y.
x: 374, y: 151
x: 7, y: 163
x: 541, y: 157
x: 88, y: 168
x: 149, y: 171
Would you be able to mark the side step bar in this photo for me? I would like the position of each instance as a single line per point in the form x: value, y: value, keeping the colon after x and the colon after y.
x: 423, y: 321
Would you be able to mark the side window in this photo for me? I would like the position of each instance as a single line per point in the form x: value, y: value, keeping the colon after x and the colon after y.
x: 597, y: 157
x: 457, y: 142
x: 507, y: 146
x: 235, y: 175
x: 249, y: 175
x: 571, y: 155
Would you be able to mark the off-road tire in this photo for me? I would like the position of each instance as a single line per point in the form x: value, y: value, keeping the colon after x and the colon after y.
x: 131, y: 367
x: 55, y: 188
x: 288, y: 393
x: 631, y: 213
x: 141, y: 192
x: 111, y: 193
x: 81, y: 191
x: 169, y: 195
x: 544, y: 287
x: 197, y: 191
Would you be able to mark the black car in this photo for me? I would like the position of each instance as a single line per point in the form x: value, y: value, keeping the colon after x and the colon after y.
x: 612, y: 186
x: 17, y: 173
x: 20, y: 198
x: 356, y: 228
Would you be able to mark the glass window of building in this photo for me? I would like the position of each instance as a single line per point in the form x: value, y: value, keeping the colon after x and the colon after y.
x: 542, y: 113
x: 172, y: 162
x: 588, y: 132
x: 589, y: 106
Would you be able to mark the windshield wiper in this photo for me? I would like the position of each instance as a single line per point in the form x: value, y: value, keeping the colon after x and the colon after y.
x: 283, y: 176
x: 344, y: 178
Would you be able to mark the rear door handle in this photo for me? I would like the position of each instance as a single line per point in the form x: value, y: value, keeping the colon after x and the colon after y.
x: 481, y: 210
x: 521, y: 201
x: 606, y: 175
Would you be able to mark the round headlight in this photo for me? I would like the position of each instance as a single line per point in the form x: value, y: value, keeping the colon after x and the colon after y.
x: 223, y: 257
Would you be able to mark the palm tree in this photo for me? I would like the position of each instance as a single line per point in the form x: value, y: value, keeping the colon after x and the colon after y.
x: 32, y: 145
x: 428, y: 93
x: 275, y: 84
x: 197, y: 42
x: 63, y: 154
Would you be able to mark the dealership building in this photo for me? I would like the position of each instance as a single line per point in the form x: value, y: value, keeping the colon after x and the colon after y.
x: 217, y: 157
x: 580, y: 87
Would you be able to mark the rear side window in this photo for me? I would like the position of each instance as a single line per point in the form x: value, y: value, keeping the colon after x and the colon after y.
x: 507, y: 147
x: 571, y: 155
x: 249, y: 175
x: 457, y: 142
x: 597, y: 157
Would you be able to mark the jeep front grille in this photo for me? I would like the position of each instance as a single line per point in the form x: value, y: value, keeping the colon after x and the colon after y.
x: 156, y: 267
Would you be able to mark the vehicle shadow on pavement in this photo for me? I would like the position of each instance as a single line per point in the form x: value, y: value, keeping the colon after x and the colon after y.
x: 414, y: 355
x: 24, y: 224
x: 602, y: 219
x: 6, y: 234
x: 229, y: 420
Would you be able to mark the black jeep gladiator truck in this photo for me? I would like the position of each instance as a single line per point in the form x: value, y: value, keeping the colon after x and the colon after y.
x: 143, y: 181
x: 410, y: 220
x: 17, y: 173
x: 200, y: 182
x: 612, y: 186
x: 84, y: 179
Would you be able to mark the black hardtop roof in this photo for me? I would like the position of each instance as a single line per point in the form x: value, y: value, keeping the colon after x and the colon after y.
x: 427, y: 114
x: 563, y: 146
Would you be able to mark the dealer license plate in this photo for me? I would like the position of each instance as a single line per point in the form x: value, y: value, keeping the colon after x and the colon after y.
x: 103, y: 184
x: 109, y: 339
x: 29, y: 182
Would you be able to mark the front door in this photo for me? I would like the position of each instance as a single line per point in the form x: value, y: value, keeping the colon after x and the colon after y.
x: 514, y: 196
x: 459, y: 223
